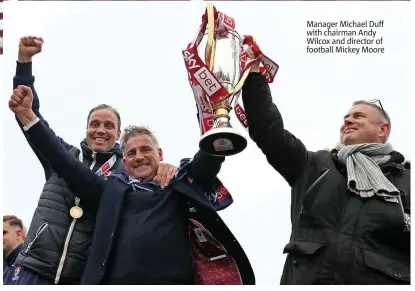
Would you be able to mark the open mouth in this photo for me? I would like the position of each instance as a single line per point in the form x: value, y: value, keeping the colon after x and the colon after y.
x: 349, y: 130
x: 100, y: 139
x: 140, y: 166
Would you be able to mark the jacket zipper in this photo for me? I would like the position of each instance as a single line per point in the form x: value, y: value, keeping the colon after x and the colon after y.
x: 70, y: 231
x: 406, y: 220
x: 306, y: 193
x: 312, y: 187
x: 41, y: 228
x: 354, y: 239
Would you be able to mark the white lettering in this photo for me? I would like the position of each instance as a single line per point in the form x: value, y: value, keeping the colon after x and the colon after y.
x: 241, y: 116
x: 222, y: 192
x: 269, y: 66
x: 207, y: 81
x: 191, y: 62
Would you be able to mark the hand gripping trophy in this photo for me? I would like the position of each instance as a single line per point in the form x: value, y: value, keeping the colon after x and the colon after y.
x: 217, y: 82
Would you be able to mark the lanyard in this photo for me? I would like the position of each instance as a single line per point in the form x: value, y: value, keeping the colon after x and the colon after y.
x: 104, y: 168
x: 101, y: 171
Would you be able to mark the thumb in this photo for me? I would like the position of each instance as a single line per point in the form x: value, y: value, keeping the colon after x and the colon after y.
x: 24, y: 89
x: 38, y: 42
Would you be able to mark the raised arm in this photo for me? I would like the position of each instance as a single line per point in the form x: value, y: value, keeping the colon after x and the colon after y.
x: 283, y: 150
x: 204, y: 168
x: 28, y: 47
x: 80, y: 179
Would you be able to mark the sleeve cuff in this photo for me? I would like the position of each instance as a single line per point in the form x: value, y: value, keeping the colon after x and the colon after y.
x: 24, y: 70
x: 27, y: 127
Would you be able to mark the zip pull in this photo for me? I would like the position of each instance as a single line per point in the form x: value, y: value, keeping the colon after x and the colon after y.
x: 406, y: 217
x: 93, y: 155
x: 38, y: 232
x: 28, y: 247
x: 407, y: 223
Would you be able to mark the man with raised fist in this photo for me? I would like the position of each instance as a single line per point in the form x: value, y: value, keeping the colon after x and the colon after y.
x: 60, y: 234
x: 145, y: 234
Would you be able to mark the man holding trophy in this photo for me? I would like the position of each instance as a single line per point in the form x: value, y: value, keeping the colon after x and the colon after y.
x: 216, y: 83
x: 145, y: 234
x: 350, y: 206
x: 350, y: 209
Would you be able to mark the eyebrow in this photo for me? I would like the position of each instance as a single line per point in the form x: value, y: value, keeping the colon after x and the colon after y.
x: 354, y: 113
x: 105, y: 121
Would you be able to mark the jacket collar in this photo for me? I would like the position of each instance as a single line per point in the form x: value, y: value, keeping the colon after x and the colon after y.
x: 11, y: 258
x: 101, y: 157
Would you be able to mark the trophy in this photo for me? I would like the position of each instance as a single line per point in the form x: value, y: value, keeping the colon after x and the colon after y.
x: 216, y: 82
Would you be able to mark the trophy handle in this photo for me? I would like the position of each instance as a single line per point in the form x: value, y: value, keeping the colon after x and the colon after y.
x: 243, y: 78
x: 210, y: 46
x: 241, y: 81
x: 234, y: 90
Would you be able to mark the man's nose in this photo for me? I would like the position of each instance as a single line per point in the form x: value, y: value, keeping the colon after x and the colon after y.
x: 348, y: 120
x: 101, y: 129
x: 139, y: 156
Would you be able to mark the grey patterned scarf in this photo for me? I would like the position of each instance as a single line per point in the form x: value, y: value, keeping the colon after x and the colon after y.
x: 364, y: 176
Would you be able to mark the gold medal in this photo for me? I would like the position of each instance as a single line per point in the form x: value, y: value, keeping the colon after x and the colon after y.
x: 76, y: 212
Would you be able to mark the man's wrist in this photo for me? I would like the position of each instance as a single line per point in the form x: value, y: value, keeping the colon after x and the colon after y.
x: 27, y: 118
x: 24, y: 59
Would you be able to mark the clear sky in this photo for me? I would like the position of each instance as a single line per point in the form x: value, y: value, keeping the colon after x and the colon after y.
x: 128, y: 55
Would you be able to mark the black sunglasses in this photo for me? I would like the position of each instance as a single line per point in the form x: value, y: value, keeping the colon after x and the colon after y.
x: 375, y: 101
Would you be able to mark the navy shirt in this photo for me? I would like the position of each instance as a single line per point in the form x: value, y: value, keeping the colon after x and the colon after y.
x: 153, y: 228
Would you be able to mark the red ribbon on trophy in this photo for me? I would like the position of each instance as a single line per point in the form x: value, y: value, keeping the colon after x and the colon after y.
x: 207, y: 88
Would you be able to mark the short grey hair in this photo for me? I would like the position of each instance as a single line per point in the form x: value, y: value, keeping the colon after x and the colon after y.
x: 377, y: 107
x: 134, y: 130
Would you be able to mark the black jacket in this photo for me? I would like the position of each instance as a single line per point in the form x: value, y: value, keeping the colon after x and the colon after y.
x: 107, y: 199
x: 44, y: 251
x: 337, y: 237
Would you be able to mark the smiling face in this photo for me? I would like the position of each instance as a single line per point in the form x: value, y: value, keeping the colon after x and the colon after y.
x: 102, y: 131
x: 142, y: 157
x: 364, y: 124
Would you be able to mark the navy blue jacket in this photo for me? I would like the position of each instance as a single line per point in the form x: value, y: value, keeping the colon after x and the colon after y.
x: 192, y: 180
x: 11, y: 258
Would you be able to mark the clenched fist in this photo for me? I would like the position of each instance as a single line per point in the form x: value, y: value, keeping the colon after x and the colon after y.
x: 28, y: 47
x: 21, y: 101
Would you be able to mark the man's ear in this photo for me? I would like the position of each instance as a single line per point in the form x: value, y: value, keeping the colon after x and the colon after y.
x: 160, y: 152
x: 385, y: 130
x: 19, y: 233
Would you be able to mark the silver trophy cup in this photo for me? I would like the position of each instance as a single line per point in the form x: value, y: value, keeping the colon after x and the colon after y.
x: 222, y: 139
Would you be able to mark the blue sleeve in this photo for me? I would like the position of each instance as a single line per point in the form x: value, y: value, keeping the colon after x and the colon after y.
x: 80, y: 178
x: 24, y: 77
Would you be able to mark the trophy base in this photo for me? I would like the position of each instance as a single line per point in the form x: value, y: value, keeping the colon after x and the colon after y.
x: 222, y: 142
